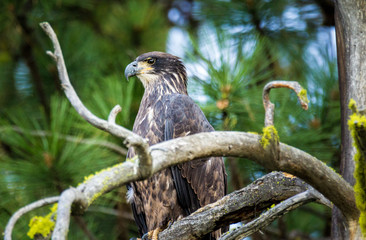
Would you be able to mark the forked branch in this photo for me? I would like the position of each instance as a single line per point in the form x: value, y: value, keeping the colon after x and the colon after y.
x: 245, y: 204
x: 131, y: 139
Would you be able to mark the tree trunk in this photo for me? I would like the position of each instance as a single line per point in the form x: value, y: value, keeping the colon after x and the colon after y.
x: 350, y: 22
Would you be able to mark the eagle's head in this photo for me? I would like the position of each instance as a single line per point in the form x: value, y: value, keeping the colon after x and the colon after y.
x: 158, y: 69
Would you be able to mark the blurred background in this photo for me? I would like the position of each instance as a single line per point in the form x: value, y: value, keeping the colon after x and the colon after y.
x: 231, y: 50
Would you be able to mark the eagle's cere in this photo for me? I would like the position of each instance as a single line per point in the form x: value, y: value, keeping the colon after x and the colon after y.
x: 167, y: 112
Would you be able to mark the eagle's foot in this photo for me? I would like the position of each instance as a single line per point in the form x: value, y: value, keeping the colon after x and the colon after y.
x: 152, y: 235
x: 144, y: 237
x: 170, y: 223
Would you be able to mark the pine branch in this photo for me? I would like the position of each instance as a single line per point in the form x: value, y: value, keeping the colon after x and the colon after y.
x: 39, y: 133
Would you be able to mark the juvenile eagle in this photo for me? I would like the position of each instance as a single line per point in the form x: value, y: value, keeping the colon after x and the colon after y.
x: 167, y: 112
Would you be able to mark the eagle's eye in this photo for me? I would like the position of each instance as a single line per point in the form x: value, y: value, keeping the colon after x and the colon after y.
x: 150, y: 60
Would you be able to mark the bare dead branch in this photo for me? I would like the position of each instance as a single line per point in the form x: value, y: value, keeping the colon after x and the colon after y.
x: 39, y: 133
x: 272, y: 214
x: 246, y: 145
x: 131, y: 139
x: 68, y: 197
x: 269, y: 106
x: 241, y: 205
x: 24, y: 210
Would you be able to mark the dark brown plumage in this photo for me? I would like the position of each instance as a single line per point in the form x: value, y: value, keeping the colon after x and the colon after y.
x: 167, y: 112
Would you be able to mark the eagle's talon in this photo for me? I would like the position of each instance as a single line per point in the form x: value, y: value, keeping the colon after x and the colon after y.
x: 145, y: 236
x: 152, y: 235
x: 170, y: 223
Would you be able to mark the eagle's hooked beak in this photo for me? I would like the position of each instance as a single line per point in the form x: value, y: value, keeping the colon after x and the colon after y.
x: 131, y: 69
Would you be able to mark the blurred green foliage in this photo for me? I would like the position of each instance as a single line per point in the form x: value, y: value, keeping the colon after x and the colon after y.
x: 231, y: 49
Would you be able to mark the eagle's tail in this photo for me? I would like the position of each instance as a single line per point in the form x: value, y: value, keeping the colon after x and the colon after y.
x: 215, y: 235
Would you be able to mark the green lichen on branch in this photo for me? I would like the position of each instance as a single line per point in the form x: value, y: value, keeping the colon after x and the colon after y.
x: 87, y: 178
x: 108, y: 180
x: 352, y: 105
x: 357, y: 126
x: 133, y: 159
x: 43, y: 226
x: 303, y: 96
x: 269, y: 134
x: 253, y: 133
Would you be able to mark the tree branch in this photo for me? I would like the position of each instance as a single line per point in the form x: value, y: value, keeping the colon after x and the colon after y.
x: 243, y: 204
x: 68, y: 197
x: 246, y: 145
x: 24, y: 210
x: 131, y: 139
x: 272, y: 214
x: 113, y: 114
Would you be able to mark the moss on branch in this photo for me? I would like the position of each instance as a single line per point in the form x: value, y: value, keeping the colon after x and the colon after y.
x: 269, y: 134
x: 303, y: 96
x: 43, y: 226
x: 357, y: 126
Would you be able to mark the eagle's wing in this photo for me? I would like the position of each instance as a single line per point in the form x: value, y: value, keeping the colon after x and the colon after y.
x: 201, y: 181
x: 138, y: 214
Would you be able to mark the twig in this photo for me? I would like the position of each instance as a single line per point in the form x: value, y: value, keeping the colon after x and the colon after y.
x: 269, y: 106
x: 24, y: 210
x: 39, y: 133
x: 113, y: 114
x: 131, y: 139
x: 272, y: 214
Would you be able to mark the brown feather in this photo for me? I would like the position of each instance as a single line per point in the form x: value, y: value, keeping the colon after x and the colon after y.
x: 166, y: 195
